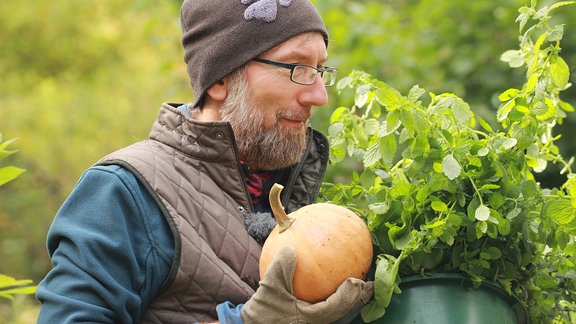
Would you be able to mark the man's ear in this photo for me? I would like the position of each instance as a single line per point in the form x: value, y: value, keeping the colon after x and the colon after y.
x: 219, y: 90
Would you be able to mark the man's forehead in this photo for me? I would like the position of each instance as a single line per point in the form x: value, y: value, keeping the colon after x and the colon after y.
x: 302, y: 46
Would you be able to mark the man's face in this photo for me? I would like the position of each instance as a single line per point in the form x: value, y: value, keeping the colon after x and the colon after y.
x: 269, y: 113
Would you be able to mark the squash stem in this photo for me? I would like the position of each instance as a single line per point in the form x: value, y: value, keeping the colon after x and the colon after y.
x: 284, y: 221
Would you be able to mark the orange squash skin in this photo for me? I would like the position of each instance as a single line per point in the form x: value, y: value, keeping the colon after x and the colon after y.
x: 332, y: 243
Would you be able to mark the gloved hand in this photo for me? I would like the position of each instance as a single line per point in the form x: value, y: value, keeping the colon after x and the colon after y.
x: 273, y: 302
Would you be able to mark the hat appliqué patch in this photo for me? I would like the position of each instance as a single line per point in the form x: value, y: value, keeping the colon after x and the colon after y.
x: 263, y: 9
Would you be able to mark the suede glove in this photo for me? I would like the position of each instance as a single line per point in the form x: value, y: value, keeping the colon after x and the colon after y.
x: 273, y: 302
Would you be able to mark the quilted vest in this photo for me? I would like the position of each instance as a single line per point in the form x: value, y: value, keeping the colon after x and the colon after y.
x: 192, y: 171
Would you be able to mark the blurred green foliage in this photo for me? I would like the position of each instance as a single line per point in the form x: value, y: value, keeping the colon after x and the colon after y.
x: 82, y: 78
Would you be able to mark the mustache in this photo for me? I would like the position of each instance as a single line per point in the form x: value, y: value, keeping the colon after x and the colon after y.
x: 292, y: 115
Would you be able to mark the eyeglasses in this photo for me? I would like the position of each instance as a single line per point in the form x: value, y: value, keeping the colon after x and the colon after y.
x: 305, y: 74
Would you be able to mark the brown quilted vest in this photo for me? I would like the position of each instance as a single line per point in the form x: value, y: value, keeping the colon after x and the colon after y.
x: 192, y: 170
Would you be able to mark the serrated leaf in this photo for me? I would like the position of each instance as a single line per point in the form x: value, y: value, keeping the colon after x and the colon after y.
x: 556, y: 33
x: 461, y: 111
x: 389, y: 97
x: 388, y: 147
x: 450, y: 167
x: 344, y: 82
x: 415, y: 93
x: 362, y: 95
x: 386, y: 128
x: 335, y: 129
x: 371, y: 126
x: 372, y: 155
x: 562, y: 212
x: 407, y: 119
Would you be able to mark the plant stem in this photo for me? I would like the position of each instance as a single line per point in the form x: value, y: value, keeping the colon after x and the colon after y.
x: 284, y: 221
x: 476, y: 190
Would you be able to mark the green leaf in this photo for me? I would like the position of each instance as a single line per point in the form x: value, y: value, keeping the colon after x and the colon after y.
x: 387, y: 129
x: 344, y: 82
x: 513, y: 213
x: 514, y: 58
x: 525, y: 13
x: 10, y: 286
x: 335, y: 129
x: 371, y: 126
x: 556, y: 33
x: 508, y: 94
x: 362, y: 95
x: 407, y: 119
x: 461, y: 111
x: 420, y: 145
x: 9, y: 173
x: 379, y: 208
x: 483, y: 151
x: 505, y: 109
x: 560, y: 72
x: 485, y: 124
x: 504, y: 226
x: 388, y: 149
x: 496, y: 200
x: 372, y: 155
x: 566, y: 106
x: 488, y: 187
x: 415, y: 93
x: 482, y: 213
x: 450, y: 167
x: 338, y: 114
x: 509, y: 143
x: 491, y: 253
x: 389, y: 97
x: 561, y: 4
x: 439, y: 206
x: 562, y: 212
x: 385, y: 285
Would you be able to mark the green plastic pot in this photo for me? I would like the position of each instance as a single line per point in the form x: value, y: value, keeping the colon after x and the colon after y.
x: 451, y: 299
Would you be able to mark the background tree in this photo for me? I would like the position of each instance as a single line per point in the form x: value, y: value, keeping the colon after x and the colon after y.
x: 82, y: 78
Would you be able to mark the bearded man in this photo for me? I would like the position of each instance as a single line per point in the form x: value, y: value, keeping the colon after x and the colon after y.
x: 170, y: 229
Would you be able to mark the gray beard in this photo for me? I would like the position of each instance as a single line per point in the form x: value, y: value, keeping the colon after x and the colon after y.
x: 261, y: 149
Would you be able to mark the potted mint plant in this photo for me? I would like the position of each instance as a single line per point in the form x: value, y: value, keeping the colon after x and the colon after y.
x: 444, y: 192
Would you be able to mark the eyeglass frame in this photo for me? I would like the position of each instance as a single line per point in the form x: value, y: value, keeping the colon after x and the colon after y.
x: 291, y: 67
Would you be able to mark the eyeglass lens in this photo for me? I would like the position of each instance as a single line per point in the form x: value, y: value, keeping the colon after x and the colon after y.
x: 307, y: 75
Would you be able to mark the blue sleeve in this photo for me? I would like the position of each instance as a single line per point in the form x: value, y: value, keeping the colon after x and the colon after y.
x: 229, y: 314
x: 111, y: 252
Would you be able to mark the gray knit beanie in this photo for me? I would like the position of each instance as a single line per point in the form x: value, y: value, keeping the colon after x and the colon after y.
x: 220, y: 36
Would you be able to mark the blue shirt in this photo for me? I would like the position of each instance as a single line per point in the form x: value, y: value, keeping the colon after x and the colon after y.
x: 111, y: 251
